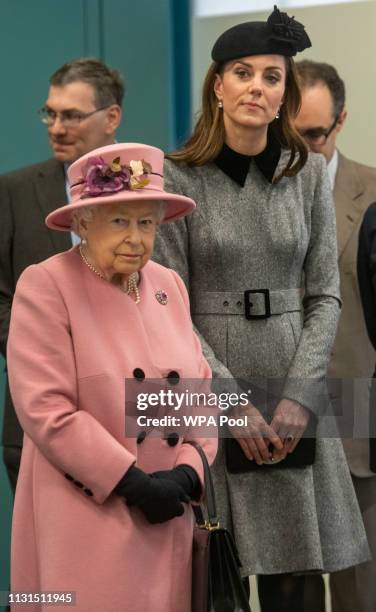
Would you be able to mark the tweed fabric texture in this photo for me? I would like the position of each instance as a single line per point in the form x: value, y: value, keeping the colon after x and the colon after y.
x: 279, y: 236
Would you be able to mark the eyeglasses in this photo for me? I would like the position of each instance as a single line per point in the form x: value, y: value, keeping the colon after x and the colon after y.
x: 69, y: 118
x: 318, y: 136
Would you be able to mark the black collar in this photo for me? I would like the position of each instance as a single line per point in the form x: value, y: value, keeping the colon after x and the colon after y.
x: 236, y: 165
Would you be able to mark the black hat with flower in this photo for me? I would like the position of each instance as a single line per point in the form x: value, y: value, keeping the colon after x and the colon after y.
x: 279, y: 35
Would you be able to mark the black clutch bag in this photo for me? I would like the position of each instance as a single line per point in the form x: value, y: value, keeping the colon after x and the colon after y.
x: 217, y: 585
x: 237, y: 462
x: 266, y: 399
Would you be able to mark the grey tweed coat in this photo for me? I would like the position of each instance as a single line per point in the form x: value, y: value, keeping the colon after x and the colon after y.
x: 276, y: 236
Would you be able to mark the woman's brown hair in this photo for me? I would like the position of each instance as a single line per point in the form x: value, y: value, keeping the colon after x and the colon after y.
x: 209, y: 134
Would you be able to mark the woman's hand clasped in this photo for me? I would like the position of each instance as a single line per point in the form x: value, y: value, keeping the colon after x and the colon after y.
x: 159, y: 499
x: 185, y: 476
x: 256, y: 436
x: 290, y: 421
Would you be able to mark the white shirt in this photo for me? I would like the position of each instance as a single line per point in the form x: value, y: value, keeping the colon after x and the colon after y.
x: 332, y: 168
x: 75, y: 239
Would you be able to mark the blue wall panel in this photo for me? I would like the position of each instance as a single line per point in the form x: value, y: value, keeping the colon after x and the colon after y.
x: 137, y: 40
x: 35, y: 38
x: 181, y: 69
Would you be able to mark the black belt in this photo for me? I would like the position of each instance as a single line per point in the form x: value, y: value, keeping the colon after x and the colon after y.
x: 252, y: 303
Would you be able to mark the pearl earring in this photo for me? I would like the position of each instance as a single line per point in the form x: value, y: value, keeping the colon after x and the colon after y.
x: 277, y: 115
x: 83, y: 241
x: 220, y: 104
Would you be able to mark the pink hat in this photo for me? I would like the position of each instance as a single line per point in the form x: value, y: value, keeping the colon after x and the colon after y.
x: 122, y: 172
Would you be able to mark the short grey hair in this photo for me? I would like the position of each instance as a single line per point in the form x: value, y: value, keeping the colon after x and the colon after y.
x: 87, y: 213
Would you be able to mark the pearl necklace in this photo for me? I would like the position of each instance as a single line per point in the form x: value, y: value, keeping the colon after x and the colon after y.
x: 132, y: 284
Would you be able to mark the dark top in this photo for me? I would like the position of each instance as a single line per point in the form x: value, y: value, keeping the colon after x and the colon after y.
x: 236, y: 165
x: 367, y: 270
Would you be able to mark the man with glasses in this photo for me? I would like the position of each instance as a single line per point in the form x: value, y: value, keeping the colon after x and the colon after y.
x: 81, y: 113
x: 321, y: 118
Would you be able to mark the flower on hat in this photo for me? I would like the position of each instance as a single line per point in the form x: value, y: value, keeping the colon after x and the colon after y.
x: 139, y: 169
x: 287, y: 29
x: 136, y: 167
x: 101, y: 178
x: 115, y: 165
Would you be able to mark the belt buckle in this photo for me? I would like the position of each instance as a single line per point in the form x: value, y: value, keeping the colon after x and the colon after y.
x: 248, y: 304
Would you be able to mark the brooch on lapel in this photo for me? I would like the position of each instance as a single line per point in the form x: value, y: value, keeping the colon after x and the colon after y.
x: 161, y: 297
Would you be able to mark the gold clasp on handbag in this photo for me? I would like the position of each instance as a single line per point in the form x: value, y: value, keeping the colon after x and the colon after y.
x: 208, y: 525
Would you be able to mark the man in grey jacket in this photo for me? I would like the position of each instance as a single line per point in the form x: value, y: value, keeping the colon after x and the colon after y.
x: 81, y: 113
x: 320, y: 120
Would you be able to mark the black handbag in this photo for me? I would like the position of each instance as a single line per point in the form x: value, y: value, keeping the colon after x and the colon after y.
x: 266, y: 399
x: 216, y: 581
x: 237, y: 462
x: 303, y: 455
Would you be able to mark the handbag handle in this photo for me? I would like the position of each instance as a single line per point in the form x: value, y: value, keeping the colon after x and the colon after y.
x: 211, y: 506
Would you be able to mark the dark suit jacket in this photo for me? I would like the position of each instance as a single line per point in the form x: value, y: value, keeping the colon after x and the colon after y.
x: 367, y: 285
x: 367, y: 270
x: 26, y: 197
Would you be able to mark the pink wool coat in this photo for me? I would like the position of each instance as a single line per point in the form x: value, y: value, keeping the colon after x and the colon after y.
x: 73, y: 340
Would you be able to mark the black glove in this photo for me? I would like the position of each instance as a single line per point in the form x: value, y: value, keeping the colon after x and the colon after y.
x: 186, y: 477
x: 159, y: 499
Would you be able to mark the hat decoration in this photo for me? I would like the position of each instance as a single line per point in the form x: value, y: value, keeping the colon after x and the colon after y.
x: 118, y: 174
x: 100, y: 178
x: 280, y: 34
x: 287, y: 29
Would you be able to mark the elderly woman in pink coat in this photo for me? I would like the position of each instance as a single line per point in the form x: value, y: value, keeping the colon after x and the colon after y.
x: 98, y: 514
